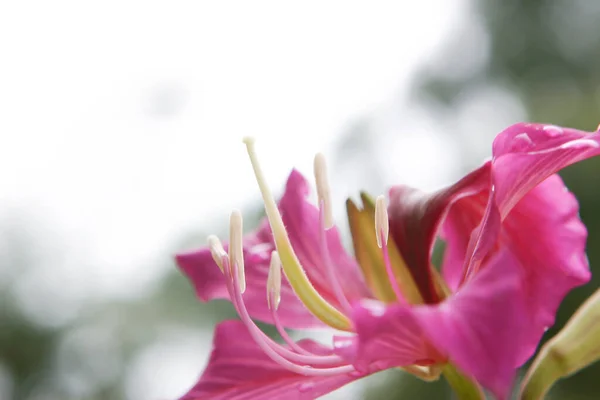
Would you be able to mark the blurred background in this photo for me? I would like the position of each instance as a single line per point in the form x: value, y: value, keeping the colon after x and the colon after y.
x: 120, y: 127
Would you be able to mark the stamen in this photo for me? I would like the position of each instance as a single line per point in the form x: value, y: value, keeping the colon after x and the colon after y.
x: 298, y: 363
x: 216, y: 250
x: 323, y: 192
x: 390, y: 271
x: 284, y: 335
x: 382, y: 230
x: 292, y: 267
x: 236, y: 249
x: 325, y: 256
x: 274, y: 281
x: 382, y: 223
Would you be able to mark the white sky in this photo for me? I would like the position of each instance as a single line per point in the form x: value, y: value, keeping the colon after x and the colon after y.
x: 81, y: 149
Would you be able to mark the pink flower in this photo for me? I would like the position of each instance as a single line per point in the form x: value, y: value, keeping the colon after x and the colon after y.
x: 514, y: 247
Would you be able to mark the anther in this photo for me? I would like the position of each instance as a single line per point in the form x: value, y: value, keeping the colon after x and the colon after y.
x: 274, y: 281
x: 323, y: 192
x: 236, y: 250
x: 382, y: 224
x: 216, y: 250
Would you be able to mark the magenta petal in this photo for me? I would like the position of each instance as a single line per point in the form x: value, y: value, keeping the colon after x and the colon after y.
x: 479, y: 327
x: 546, y: 235
x: 238, y: 369
x: 461, y: 220
x: 524, y: 155
x: 387, y: 336
x: 415, y: 217
x: 532, y: 215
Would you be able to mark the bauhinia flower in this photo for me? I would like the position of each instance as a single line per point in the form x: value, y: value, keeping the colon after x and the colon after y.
x: 514, y: 247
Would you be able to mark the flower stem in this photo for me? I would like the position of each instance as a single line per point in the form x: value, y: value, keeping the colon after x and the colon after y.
x: 465, y: 388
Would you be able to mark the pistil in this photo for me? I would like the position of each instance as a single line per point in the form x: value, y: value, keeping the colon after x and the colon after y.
x: 291, y: 265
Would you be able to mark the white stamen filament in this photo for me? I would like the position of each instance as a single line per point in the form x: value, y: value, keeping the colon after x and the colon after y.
x: 274, y: 281
x: 382, y: 231
x: 298, y: 362
x: 216, y: 250
x: 334, y: 278
x: 382, y: 224
x: 323, y: 192
x: 236, y: 249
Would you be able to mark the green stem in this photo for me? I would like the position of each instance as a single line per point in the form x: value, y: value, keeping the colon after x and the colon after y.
x: 465, y: 388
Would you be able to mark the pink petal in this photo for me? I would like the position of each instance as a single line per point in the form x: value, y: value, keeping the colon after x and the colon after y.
x: 415, y: 217
x: 545, y: 234
x: 387, y: 336
x: 239, y: 370
x: 301, y: 219
x: 531, y: 214
x: 460, y: 222
x: 479, y: 327
x: 524, y: 155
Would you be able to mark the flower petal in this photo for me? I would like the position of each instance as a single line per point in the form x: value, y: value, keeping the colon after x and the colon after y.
x: 531, y: 213
x: 414, y: 220
x: 301, y: 219
x: 461, y: 220
x: 546, y: 235
x: 239, y: 370
x: 524, y: 155
x: 540, y: 217
x: 386, y: 335
x: 479, y: 327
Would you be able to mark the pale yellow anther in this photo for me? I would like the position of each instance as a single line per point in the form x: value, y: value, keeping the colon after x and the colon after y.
x: 216, y: 250
x: 236, y: 246
x: 382, y: 224
x: 323, y: 192
x: 274, y: 281
x: 289, y: 261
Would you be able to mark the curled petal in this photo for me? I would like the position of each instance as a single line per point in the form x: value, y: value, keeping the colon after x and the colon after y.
x: 529, y: 213
x: 414, y: 220
x: 524, y: 155
x: 463, y: 217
